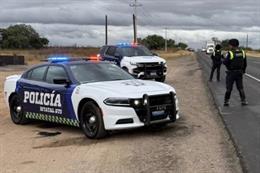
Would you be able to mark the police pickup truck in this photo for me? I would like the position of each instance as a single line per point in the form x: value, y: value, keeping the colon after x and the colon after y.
x: 136, y: 60
x: 96, y: 96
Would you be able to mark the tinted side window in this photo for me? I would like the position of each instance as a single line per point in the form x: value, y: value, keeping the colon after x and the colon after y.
x: 103, y: 49
x: 119, y: 51
x: 37, y: 73
x: 111, y: 51
x: 28, y: 75
x: 55, y: 72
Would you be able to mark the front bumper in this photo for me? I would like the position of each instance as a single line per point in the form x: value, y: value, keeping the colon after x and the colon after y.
x: 156, y: 110
x: 149, y: 70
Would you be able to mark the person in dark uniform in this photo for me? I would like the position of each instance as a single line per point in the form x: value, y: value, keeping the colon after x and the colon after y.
x: 236, y: 63
x: 216, y: 62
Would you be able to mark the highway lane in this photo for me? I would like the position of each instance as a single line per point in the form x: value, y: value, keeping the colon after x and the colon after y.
x: 254, y: 71
x: 243, y: 123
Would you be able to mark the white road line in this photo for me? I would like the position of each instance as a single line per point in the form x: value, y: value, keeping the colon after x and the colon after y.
x: 252, y: 77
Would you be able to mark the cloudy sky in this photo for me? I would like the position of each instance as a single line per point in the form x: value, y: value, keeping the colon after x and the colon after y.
x: 81, y: 22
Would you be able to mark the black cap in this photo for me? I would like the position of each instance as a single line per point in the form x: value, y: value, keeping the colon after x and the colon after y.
x: 233, y: 42
x: 218, y: 47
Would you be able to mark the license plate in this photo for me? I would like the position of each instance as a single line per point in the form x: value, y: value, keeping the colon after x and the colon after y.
x: 158, y: 113
x: 153, y: 73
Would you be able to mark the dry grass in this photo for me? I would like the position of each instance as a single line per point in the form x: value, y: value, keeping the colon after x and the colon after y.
x: 253, y: 54
x: 173, y: 54
x: 34, y: 56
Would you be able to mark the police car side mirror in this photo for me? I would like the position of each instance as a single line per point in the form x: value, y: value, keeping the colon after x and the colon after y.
x: 65, y: 82
x: 155, y: 54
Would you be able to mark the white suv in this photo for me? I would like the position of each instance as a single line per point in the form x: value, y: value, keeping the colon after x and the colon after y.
x: 137, y: 60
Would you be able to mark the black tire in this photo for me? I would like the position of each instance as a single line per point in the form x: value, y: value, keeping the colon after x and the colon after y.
x: 161, y: 79
x: 17, y: 117
x: 93, y: 130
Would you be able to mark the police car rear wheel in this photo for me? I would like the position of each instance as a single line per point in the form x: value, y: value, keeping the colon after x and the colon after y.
x: 16, y: 110
x: 91, y: 121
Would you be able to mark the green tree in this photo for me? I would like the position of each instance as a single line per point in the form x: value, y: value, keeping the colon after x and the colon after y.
x: 22, y: 36
x: 171, y: 43
x: 153, y: 41
x: 224, y: 44
x: 182, y: 45
x: 158, y: 42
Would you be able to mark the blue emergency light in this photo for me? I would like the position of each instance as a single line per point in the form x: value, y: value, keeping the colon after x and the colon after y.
x: 126, y: 45
x: 56, y: 59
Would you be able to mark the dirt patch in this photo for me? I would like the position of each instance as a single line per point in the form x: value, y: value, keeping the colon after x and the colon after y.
x: 195, y: 143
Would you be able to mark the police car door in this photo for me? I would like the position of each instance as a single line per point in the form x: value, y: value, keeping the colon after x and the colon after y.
x: 29, y: 89
x: 110, y: 55
x: 59, y: 102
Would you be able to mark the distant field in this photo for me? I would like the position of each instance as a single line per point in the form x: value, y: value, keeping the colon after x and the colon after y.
x: 35, y: 56
x: 253, y: 53
x: 173, y: 53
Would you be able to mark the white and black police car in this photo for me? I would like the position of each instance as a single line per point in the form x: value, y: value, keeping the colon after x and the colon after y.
x: 96, y: 96
x: 136, y: 59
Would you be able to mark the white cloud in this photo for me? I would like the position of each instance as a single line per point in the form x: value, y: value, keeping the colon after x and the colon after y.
x: 81, y: 22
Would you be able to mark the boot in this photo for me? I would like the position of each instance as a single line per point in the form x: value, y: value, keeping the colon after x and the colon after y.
x: 226, y: 103
x: 244, y: 103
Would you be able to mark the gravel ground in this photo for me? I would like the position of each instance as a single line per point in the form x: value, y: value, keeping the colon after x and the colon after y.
x: 195, y: 143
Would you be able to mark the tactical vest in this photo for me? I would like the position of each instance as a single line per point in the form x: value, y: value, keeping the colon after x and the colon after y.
x: 237, y: 59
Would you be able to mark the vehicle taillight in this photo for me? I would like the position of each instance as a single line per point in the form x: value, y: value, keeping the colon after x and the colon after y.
x: 94, y: 58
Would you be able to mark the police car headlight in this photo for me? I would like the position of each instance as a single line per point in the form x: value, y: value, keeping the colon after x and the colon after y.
x: 137, y: 103
x: 117, y: 102
x: 133, y: 63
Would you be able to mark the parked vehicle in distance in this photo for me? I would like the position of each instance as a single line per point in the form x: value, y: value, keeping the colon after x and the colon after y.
x: 210, y: 48
x: 135, y: 59
x: 96, y: 96
x: 190, y: 49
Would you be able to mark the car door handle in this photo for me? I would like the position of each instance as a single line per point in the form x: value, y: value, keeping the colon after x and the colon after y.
x: 29, y: 87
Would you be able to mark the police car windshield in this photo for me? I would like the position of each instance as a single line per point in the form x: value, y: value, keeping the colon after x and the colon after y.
x: 88, y: 73
x: 135, y: 51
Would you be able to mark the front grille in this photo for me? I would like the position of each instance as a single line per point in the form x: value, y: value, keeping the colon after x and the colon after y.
x: 156, y: 104
x: 149, y: 67
x: 160, y: 100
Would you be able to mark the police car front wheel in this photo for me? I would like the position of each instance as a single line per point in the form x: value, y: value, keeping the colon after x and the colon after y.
x: 91, y: 121
x: 16, y: 110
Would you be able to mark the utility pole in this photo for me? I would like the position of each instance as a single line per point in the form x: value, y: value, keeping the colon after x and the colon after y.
x: 246, y: 41
x: 166, y: 40
x: 134, y: 25
x: 106, y: 41
x: 135, y: 5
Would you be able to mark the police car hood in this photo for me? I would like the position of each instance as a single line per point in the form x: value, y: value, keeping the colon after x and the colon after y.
x: 130, y: 88
x: 144, y: 59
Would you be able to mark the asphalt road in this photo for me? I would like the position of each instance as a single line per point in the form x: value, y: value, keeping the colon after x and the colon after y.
x: 243, y: 123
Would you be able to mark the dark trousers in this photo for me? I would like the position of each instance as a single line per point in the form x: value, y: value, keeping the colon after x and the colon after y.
x: 214, y: 67
x: 231, y: 78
